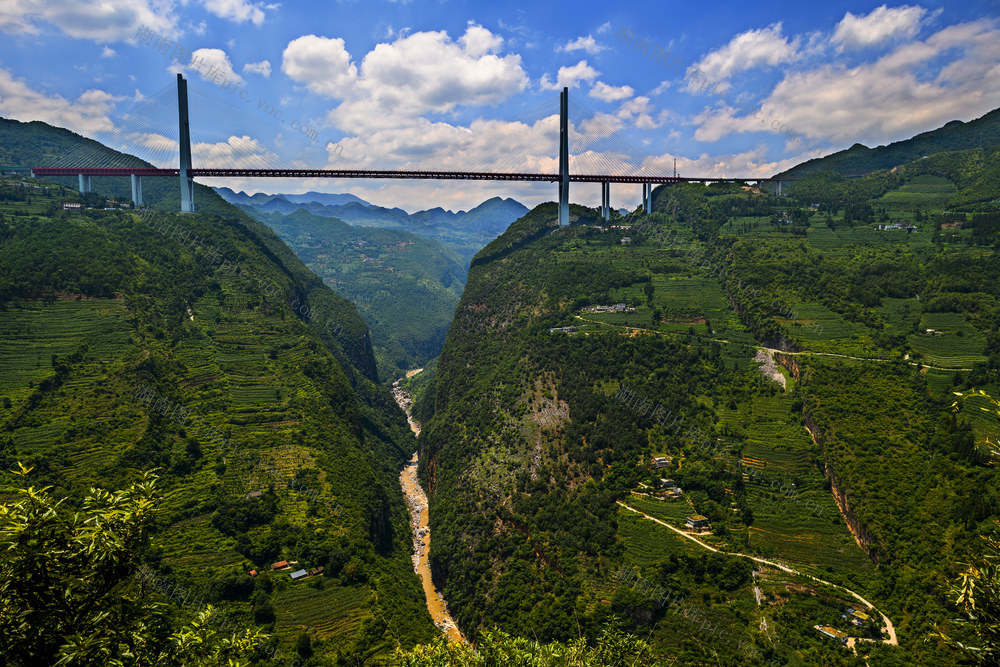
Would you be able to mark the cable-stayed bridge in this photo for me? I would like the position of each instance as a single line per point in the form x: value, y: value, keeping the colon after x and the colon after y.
x: 186, y: 172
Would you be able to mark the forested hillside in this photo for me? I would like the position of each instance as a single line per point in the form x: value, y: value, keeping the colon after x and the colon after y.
x: 198, y: 345
x: 983, y: 132
x: 405, y: 286
x: 791, y: 360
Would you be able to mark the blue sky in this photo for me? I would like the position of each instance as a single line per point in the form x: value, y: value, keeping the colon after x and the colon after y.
x: 746, y: 90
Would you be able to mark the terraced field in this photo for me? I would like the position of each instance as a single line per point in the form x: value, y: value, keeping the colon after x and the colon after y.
x: 959, y: 345
x: 329, y: 612
x: 923, y: 191
x: 30, y: 334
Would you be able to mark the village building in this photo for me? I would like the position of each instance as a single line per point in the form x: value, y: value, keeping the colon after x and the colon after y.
x: 855, y: 617
x: 697, y: 522
x: 832, y: 633
x: 298, y: 574
x: 280, y: 565
x: 661, y: 461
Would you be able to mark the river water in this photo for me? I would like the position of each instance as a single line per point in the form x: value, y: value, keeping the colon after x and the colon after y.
x: 416, y: 501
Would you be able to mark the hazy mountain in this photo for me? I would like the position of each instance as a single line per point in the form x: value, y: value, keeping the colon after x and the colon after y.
x: 406, y: 286
x: 465, y: 232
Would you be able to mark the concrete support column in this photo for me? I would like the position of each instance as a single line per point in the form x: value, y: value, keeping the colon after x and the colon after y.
x: 606, y: 200
x: 137, y: 190
x: 84, y: 182
x: 184, y: 130
x: 564, y: 157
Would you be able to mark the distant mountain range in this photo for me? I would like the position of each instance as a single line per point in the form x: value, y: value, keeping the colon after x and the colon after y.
x: 463, y: 231
x: 953, y: 136
x: 406, y: 286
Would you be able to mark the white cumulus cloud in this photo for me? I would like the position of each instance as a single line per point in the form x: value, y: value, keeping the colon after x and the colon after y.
x: 881, y: 25
x: 104, y: 21
x: 420, y: 73
x: 212, y: 65
x: 748, y: 50
x: 322, y: 64
x: 237, y: 11
x: 86, y: 115
x: 263, y: 68
x: 569, y: 76
x: 588, y: 44
x: 606, y: 93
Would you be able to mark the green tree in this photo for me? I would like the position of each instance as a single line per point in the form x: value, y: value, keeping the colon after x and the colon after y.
x: 67, y: 593
x: 497, y: 648
x: 977, y: 594
x: 303, y: 645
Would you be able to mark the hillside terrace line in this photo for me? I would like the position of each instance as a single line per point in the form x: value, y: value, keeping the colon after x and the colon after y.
x: 187, y: 173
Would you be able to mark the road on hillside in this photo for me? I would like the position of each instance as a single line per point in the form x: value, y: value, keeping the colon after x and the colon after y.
x: 888, y: 629
x: 772, y: 350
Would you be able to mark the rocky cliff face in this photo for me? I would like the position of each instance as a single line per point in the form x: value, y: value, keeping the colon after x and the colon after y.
x: 861, y: 535
x: 790, y: 362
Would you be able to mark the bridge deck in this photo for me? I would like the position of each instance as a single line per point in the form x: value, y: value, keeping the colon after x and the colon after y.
x: 376, y: 173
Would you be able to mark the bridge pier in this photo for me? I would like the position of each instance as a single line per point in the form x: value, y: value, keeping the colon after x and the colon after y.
x: 564, y: 157
x: 647, y: 197
x: 184, y: 130
x: 605, y: 200
x: 84, y: 182
x: 136, y: 190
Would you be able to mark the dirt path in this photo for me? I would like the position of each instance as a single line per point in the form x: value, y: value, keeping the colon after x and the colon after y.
x: 770, y: 349
x: 846, y: 356
x: 888, y: 629
x: 416, y: 501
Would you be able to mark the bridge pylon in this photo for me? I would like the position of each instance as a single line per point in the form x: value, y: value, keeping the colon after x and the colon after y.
x: 184, y: 131
x: 136, y: 189
x: 564, y: 157
x: 606, y: 200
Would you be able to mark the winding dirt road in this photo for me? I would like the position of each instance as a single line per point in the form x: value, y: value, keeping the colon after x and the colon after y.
x: 888, y: 629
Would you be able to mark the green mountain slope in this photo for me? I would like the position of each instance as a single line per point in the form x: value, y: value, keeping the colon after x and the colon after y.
x: 405, y: 286
x: 953, y: 136
x: 841, y: 459
x: 966, y: 180
x: 229, y: 367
